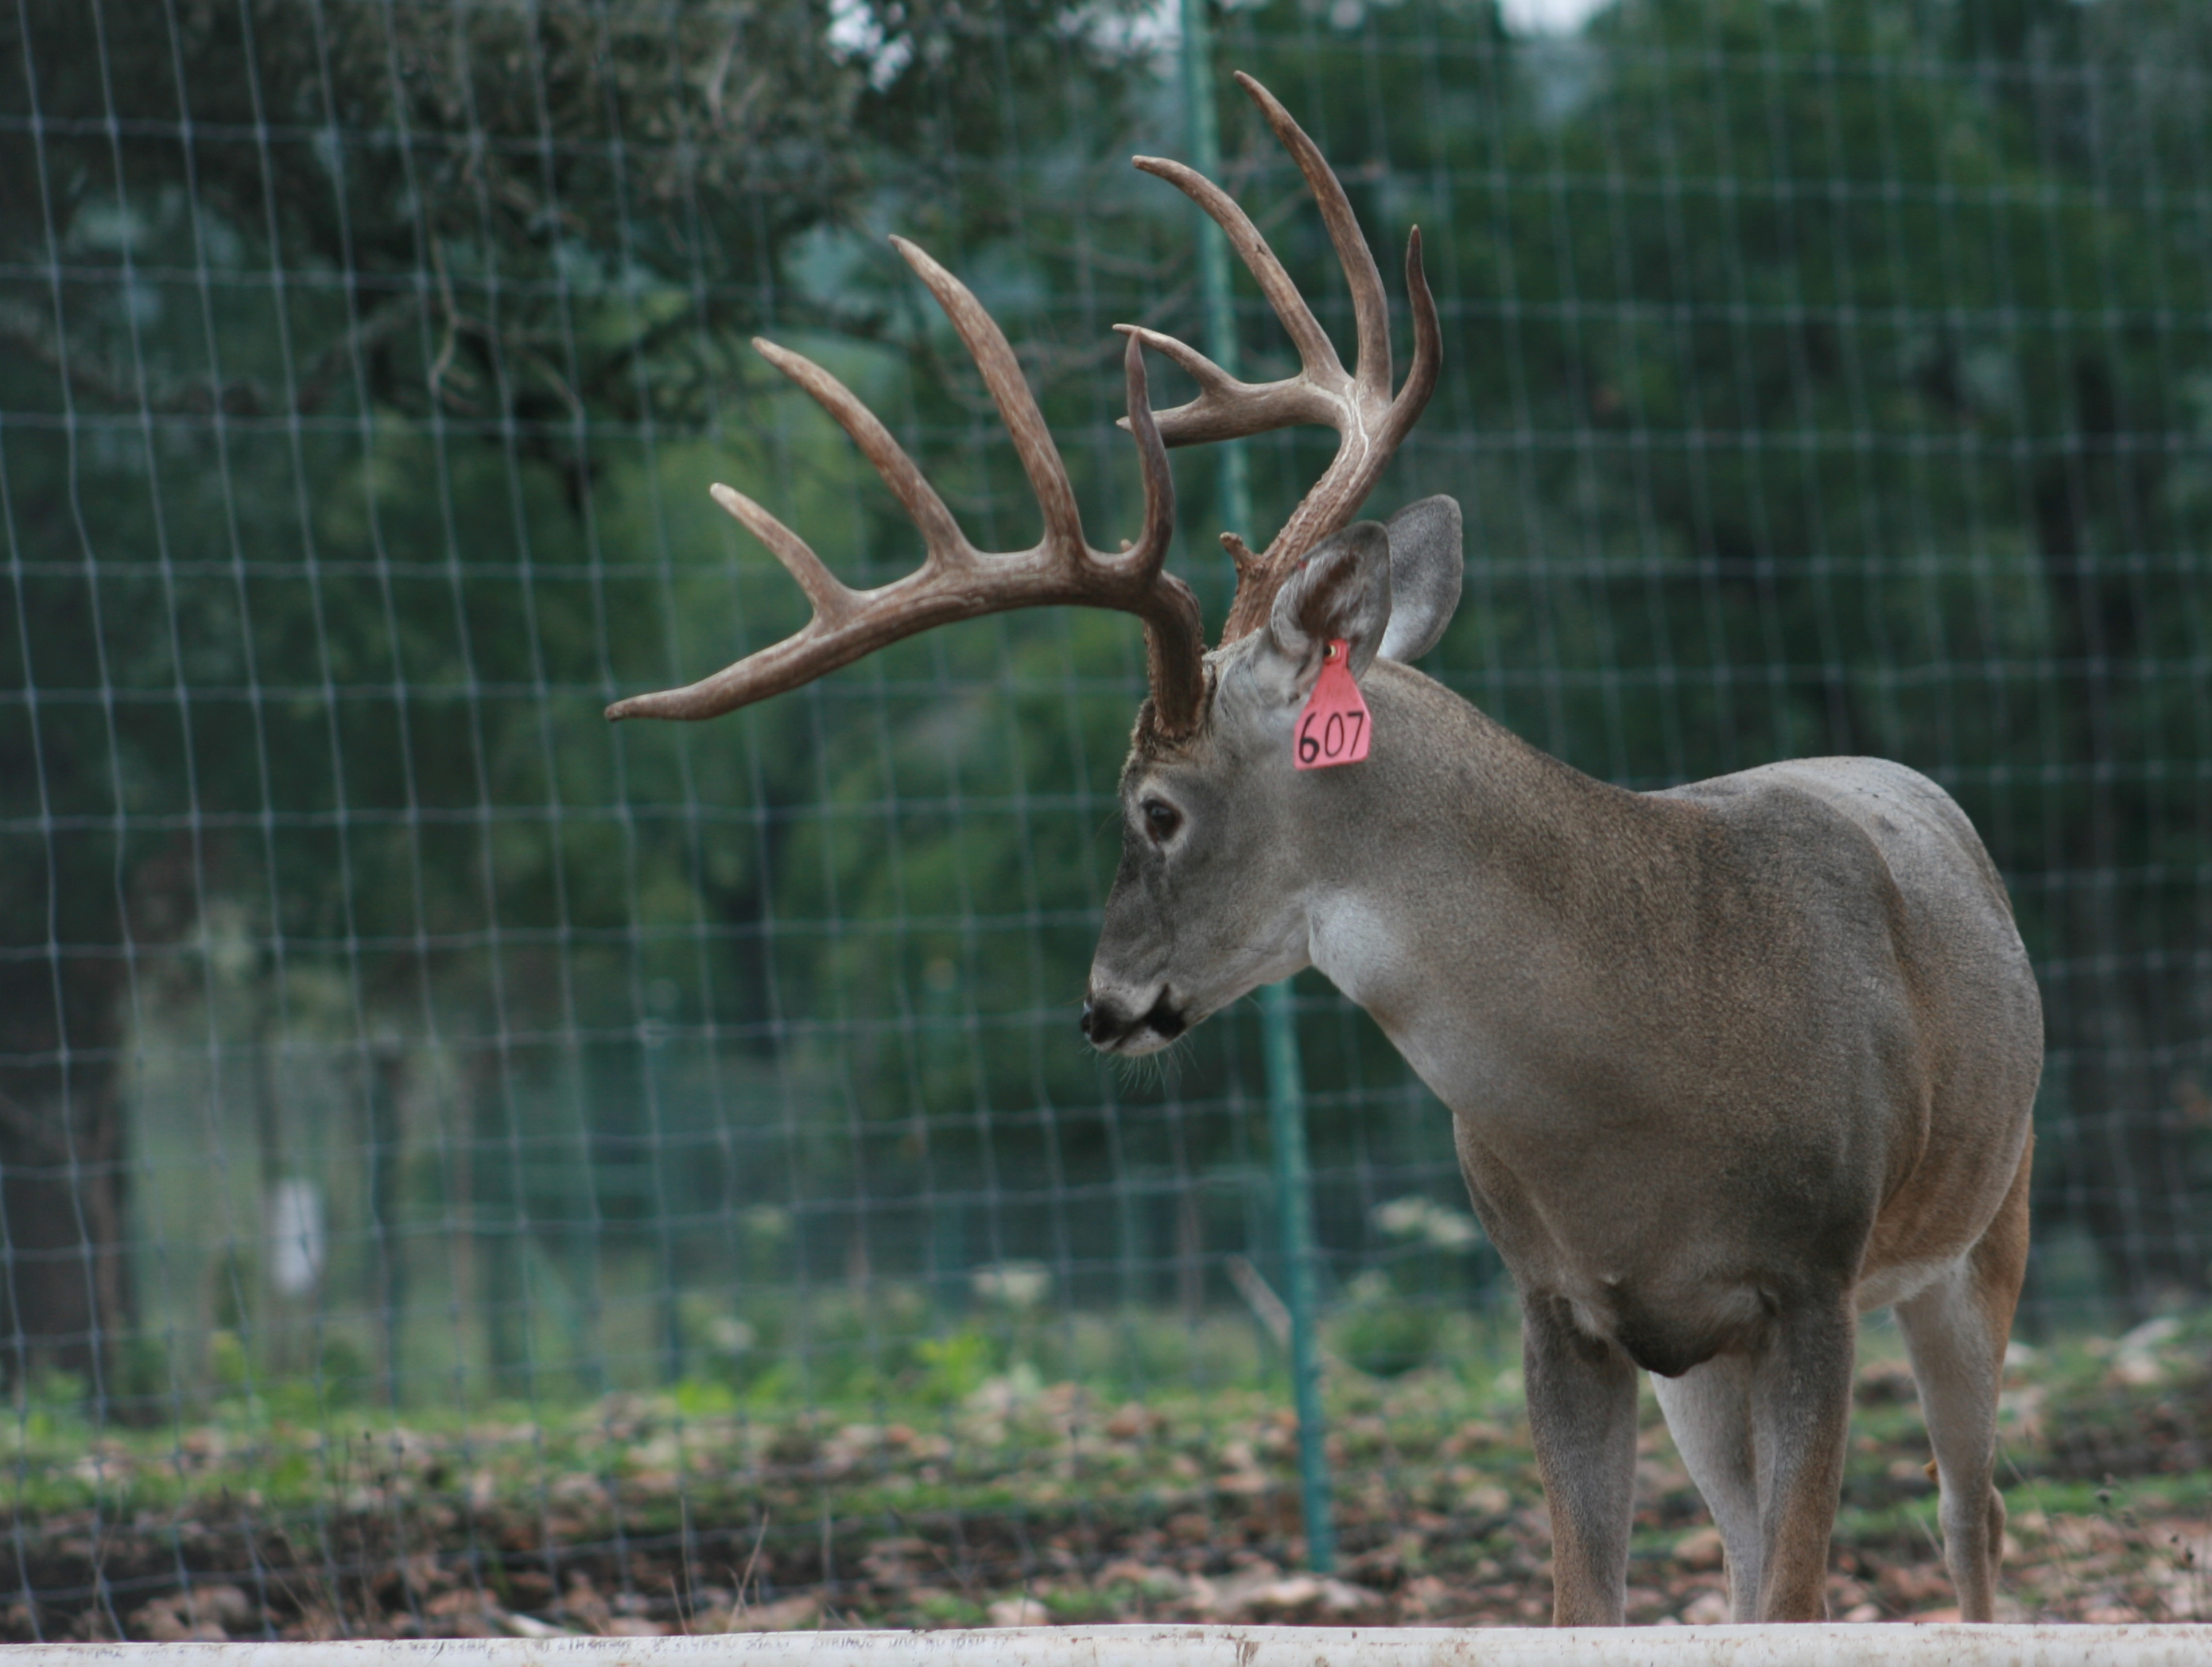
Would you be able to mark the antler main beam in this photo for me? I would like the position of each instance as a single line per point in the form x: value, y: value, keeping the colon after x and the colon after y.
x: 1358, y: 404
x: 955, y: 579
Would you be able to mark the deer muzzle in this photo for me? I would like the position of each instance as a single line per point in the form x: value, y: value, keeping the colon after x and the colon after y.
x: 1115, y: 1028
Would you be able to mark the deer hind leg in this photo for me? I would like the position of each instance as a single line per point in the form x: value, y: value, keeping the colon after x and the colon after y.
x: 1581, y: 1416
x: 1801, y: 1408
x: 1955, y: 1333
x: 1708, y: 1412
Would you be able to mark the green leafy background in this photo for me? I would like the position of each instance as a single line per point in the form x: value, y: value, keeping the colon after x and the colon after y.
x: 1822, y: 376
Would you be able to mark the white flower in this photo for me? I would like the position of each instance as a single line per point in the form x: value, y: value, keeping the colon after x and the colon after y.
x: 1423, y: 1220
x: 1020, y: 1286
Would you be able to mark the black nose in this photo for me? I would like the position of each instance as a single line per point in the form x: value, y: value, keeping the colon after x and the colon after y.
x: 1165, y: 1017
x: 1106, y: 1024
x: 1101, y: 1023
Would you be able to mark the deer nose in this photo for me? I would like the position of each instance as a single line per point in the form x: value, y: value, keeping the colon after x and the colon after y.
x: 1101, y: 1023
x: 1165, y: 1018
x: 1106, y: 1024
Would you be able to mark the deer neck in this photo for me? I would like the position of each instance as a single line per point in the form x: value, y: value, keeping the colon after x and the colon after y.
x: 1486, y: 903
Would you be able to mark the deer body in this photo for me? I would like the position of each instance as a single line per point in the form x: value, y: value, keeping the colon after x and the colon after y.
x: 1806, y: 974
x: 1728, y: 1064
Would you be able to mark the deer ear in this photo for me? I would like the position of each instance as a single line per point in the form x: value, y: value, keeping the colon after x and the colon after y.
x: 1426, y: 566
x: 1341, y: 590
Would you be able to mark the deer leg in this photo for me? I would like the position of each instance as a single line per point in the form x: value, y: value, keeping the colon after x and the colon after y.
x: 1955, y: 1333
x: 1708, y: 1412
x: 1800, y: 1402
x: 1582, y: 1415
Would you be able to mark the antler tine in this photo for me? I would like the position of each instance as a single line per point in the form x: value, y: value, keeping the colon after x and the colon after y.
x: 1428, y: 348
x: 1359, y: 405
x: 834, y: 600
x: 941, y: 534
x: 1369, y: 439
x: 1316, y: 353
x: 1010, y: 390
x: 957, y: 581
x: 1151, y: 549
x: 1226, y: 409
x: 1371, y: 309
x: 1174, y: 629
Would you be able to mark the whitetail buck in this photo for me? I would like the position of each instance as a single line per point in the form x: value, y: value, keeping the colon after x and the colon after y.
x: 1728, y: 1065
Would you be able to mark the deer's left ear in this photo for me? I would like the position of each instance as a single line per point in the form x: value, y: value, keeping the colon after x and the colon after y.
x: 1341, y: 590
x: 1426, y: 566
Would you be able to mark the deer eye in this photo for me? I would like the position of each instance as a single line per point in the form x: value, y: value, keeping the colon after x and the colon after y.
x: 1161, y: 820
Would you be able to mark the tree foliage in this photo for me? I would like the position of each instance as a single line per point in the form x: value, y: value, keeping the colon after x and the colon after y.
x: 1825, y: 375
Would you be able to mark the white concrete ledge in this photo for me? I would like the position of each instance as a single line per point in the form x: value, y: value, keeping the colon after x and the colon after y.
x: 1904, y: 1645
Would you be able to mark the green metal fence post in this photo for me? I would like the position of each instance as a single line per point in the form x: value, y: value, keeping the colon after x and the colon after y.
x: 1286, y: 1110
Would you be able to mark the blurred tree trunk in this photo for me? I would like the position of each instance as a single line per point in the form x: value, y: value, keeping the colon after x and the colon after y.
x: 384, y: 1141
x: 65, y: 1301
x: 2119, y: 1162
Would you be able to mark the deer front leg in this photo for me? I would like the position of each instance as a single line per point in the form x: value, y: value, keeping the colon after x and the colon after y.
x: 1801, y: 1417
x: 1581, y: 1415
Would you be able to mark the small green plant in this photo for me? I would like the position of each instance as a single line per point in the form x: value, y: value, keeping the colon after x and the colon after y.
x: 230, y: 1369
x: 954, y: 1366
x: 1395, y: 1317
x: 1382, y: 1333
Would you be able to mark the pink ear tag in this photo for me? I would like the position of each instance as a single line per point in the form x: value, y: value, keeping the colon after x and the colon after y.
x: 1334, y: 729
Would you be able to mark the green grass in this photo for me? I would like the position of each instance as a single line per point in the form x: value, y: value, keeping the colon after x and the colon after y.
x: 979, y: 1445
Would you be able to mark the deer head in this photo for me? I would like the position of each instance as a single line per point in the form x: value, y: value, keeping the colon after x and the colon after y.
x: 1222, y: 838
x: 1209, y: 778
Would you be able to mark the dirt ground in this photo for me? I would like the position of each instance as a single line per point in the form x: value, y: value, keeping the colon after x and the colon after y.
x: 1040, y: 1504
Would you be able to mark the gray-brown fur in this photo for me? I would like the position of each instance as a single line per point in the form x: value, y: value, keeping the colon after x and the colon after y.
x: 1728, y: 1064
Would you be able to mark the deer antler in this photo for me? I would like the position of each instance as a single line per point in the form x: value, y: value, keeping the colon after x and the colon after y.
x: 955, y: 579
x: 1358, y: 404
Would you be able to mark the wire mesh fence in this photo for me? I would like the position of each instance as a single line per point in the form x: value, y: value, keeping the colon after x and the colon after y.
x: 674, y: 1147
